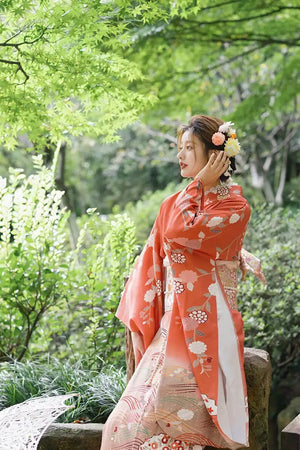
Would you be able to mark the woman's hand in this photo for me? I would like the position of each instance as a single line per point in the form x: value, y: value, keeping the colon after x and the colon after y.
x: 215, y: 167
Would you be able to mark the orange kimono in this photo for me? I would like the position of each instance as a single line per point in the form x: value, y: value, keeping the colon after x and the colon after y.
x: 189, y: 388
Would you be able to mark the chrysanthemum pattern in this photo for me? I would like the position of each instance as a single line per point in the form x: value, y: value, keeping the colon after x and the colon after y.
x: 198, y: 347
x: 178, y: 287
x: 149, y: 295
x: 200, y: 315
x: 158, y: 287
x: 213, y: 289
x: 178, y: 258
x: 214, y: 221
x: 223, y: 192
x: 164, y: 442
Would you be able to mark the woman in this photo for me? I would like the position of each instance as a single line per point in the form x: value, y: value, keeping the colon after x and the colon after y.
x: 188, y: 390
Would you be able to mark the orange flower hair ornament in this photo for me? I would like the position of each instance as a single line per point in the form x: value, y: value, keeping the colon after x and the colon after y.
x: 232, y: 145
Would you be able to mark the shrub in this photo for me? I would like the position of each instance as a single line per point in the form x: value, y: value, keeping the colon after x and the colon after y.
x: 33, y: 262
x: 104, y: 263
x: 99, y: 391
x: 145, y: 210
x: 87, y: 326
x: 271, y: 313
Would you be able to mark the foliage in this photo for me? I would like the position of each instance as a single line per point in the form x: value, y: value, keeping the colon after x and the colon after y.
x: 99, y: 391
x: 237, y: 60
x: 87, y: 325
x: 74, y: 68
x: 271, y: 313
x: 104, y: 265
x: 145, y: 210
x: 97, y: 173
x: 63, y: 70
x: 52, y: 297
x: 33, y: 261
x: 204, y: 44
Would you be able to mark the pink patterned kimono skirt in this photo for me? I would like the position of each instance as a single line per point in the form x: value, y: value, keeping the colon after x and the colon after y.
x: 161, y: 402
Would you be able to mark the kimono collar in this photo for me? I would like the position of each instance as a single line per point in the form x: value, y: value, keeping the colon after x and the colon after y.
x: 222, y: 190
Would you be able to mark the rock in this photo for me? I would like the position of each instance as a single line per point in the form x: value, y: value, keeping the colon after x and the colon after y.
x: 288, y: 414
x: 285, y: 418
x: 72, y: 436
x: 290, y: 435
x: 258, y: 372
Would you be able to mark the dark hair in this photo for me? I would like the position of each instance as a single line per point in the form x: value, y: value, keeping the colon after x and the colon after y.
x: 204, y: 127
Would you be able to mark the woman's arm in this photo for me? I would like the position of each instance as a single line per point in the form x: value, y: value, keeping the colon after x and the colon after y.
x: 214, y: 229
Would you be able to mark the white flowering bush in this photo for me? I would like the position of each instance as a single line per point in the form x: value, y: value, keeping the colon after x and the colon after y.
x: 54, y: 299
x: 33, y: 262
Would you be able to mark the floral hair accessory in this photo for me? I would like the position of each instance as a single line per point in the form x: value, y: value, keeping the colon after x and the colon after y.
x: 232, y: 145
x: 224, y: 128
x: 218, y: 138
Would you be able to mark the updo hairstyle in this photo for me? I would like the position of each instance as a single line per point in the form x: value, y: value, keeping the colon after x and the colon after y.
x: 204, y: 127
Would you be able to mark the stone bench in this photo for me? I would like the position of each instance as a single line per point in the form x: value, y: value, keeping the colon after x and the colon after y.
x: 258, y: 376
x: 72, y: 436
x: 290, y: 435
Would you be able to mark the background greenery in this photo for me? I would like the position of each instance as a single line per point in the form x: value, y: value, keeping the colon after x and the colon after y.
x: 95, y: 92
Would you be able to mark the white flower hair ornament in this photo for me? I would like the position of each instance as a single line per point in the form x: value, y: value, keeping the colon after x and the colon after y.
x: 232, y: 146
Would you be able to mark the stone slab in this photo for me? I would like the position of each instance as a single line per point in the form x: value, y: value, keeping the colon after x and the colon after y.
x: 290, y: 435
x: 258, y: 377
x: 72, y: 436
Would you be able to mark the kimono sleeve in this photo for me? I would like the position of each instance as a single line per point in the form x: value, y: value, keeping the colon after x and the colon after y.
x: 216, y: 230
x: 141, y: 303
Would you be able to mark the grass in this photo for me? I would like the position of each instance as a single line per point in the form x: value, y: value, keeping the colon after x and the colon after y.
x: 99, y: 391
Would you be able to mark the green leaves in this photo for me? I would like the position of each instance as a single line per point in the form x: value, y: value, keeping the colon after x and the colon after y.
x: 271, y: 313
x: 99, y: 391
x: 60, y: 62
x: 33, y: 263
x: 101, y: 275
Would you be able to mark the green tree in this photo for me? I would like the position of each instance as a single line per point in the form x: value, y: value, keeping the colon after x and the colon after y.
x: 116, y: 173
x: 63, y: 70
x: 90, y: 68
x: 237, y: 60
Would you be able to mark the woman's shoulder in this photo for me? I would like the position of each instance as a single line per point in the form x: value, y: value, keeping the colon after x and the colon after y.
x: 170, y: 199
x: 236, y: 200
x: 225, y: 197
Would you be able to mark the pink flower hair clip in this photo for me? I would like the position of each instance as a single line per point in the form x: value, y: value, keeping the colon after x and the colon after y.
x: 232, y: 145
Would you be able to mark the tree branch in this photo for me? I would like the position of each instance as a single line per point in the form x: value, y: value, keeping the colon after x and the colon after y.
x: 20, y: 68
x: 207, y: 69
x: 242, y: 19
x: 166, y: 136
x: 25, y: 42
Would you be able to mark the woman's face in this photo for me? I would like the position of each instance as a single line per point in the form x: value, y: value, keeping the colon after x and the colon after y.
x: 191, y: 155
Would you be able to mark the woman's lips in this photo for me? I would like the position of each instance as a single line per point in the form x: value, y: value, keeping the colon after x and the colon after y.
x: 182, y: 165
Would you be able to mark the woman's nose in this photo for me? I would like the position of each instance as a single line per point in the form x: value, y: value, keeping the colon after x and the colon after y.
x: 180, y: 154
